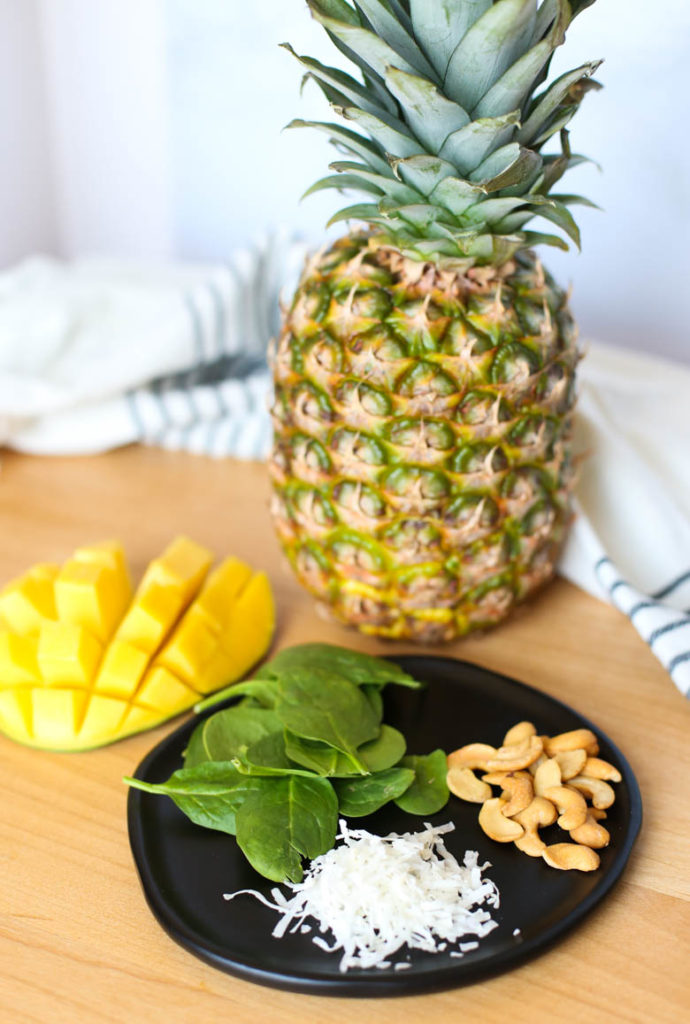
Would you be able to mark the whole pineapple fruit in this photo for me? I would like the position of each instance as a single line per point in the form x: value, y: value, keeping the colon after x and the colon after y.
x: 424, y: 376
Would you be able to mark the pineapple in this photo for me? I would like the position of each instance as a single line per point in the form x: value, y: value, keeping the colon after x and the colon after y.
x: 424, y: 375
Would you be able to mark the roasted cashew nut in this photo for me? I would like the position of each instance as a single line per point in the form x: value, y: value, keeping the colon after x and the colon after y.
x: 519, y: 733
x: 513, y: 758
x: 547, y: 775
x: 463, y: 783
x: 472, y: 755
x: 495, y: 824
x: 571, y: 856
x: 571, y: 806
x: 596, y: 790
x: 596, y: 768
x: 591, y: 834
x: 540, y: 813
x: 572, y: 740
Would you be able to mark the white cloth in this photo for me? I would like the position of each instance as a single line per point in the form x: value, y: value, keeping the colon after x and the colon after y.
x: 98, y: 354
x: 94, y: 355
x: 630, y: 543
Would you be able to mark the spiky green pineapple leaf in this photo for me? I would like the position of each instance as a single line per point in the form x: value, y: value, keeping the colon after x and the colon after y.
x: 349, y: 140
x: 375, y: 53
x: 544, y: 106
x: 439, y: 24
x: 423, y: 172
x: 488, y: 49
x: 472, y: 144
x: 395, y: 35
x: 344, y: 83
x: 386, y: 132
x: 429, y: 114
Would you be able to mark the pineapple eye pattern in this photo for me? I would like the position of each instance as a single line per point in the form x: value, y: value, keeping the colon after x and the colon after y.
x: 486, y: 459
x: 360, y: 400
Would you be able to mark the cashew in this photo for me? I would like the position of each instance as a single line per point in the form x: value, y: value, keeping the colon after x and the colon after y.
x: 494, y: 778
x: 571, y: 806
x: 513, y: 758
x: 519, y: 733
x: 597, y: 813
x: 473, y: 755
x: 568, y: 856
x: 547, y: 775
x: 540, y: 812
x: 572, y: 741
x: 518, y: 792
x: 465, y: 784
x: 596, y: 768
x: 591, y: 834
x: 571, y: 762
x: 596, y: 790
x: 540, y: 760
x: 495, y: 824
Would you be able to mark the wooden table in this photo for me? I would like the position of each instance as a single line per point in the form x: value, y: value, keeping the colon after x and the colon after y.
x: 77, y: 940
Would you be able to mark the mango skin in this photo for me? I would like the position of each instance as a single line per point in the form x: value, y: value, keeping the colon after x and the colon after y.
x: 107, y: 670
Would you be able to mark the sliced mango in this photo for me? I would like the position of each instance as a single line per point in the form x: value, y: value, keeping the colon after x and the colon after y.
x: 121, y: 670
x: 107, y: 553
x: 151, y: 616
x: 160, y: 688
x: 102, y: 720
x: 16, y: 714
x: 27, y: 602
x: 222, y: 587
x: 182, y: 565
x: 68, y: 655
x: 91, y: 595
x: 18, y: 660
x: 83, y: 664
x: 57, y: 713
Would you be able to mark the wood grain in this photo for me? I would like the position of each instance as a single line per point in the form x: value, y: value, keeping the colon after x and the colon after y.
x: 77, y: 941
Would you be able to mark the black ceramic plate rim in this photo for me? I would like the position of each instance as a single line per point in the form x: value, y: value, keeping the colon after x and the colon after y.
x: 380, y: 983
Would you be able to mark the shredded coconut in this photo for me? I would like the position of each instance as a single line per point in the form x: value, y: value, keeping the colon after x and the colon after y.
x: 376, y: 894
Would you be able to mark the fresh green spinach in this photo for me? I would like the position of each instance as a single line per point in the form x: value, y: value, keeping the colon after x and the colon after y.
x: 428, y: 792
x: 366, y: 794
x: 305, y: 740
x: 284, y: 820
x: 209, y: 794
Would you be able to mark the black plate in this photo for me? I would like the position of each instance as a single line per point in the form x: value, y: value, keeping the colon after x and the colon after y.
x: 185, y: 869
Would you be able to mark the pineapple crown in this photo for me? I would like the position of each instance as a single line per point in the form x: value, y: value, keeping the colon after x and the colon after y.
x: 447, y: 124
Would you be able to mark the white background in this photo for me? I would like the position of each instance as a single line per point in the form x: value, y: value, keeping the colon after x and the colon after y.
x: 152, y: 128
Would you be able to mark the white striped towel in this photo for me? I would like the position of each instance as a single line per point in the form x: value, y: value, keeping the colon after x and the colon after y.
x: 95, y: 355
x: 98, y: 354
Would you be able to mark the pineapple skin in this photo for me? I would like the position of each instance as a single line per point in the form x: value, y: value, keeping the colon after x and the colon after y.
x: 421, y: 467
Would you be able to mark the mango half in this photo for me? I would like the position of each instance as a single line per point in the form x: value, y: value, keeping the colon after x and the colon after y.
x: 85, y: 662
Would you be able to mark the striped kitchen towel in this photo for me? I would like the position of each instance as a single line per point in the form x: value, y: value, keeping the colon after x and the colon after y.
x: 96, y: 354
x: 630, y: 542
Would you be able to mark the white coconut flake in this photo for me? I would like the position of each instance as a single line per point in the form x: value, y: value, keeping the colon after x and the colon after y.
x: 376, y: 894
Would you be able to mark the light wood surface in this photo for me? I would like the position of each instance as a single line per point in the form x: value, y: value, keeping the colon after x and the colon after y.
x: 77, y: 941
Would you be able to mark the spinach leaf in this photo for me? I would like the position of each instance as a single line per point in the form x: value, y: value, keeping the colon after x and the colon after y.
x: 262, y: 690
x: 352, y: 665
x: 318, y: 757
x: 319, y: 705
x: 209, y: 794
x: 429, y: 791
x: 375, y: 698
x: 268, y: 756
x: 384, y: 751
x: 364, y: 795
x: 223, y: 735
x: 286, y: 819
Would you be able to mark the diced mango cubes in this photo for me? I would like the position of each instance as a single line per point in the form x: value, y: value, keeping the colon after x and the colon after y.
x: 68, y: 655
x: 91, y: 595
x: 27, y: 602
x: 82, y: 663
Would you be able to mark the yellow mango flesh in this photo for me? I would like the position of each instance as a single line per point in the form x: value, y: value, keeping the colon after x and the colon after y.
x: 26, y: 603
x: 91, y: 595
x: 81, y: 666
